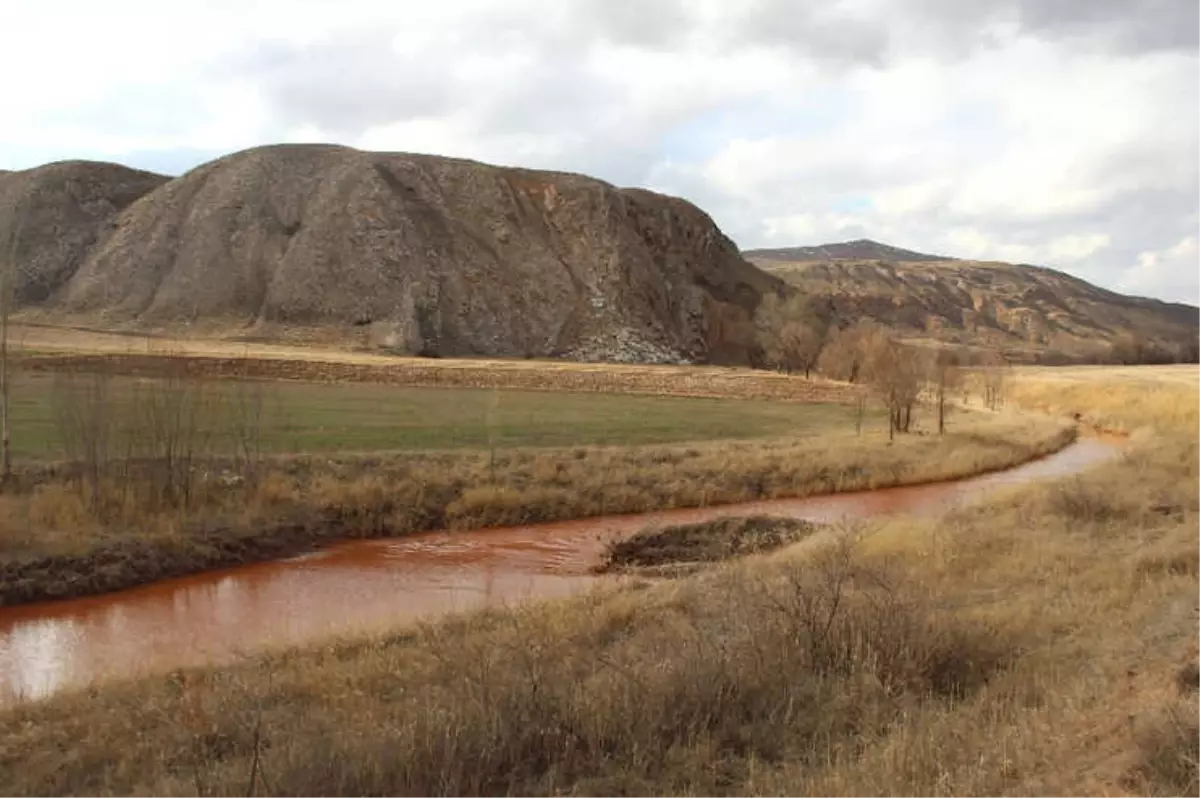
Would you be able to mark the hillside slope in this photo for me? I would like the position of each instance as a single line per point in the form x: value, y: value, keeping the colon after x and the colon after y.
x: 860, y: 249
x: 415, y: 253
x: 56, y: 213
x: 1026, y: 310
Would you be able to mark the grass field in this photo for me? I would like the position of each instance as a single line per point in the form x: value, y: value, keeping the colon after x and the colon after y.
x: 308, y: 417
x: 1041, y: 643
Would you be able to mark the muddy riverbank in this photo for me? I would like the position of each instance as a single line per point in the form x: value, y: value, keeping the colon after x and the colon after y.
x: 372, y: 585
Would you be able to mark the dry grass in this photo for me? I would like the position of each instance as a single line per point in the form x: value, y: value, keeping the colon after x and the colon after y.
x: 1026, y: 646
x: 634, y: 691
x: 53, y: 546
x: 54, y: 349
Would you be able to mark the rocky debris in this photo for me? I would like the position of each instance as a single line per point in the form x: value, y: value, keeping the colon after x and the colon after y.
x: 624, y: 346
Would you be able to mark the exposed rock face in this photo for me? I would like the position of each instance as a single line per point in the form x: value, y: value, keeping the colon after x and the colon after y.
x: 1025, y: 310
x: 56, y: 213
x: 430, y: 254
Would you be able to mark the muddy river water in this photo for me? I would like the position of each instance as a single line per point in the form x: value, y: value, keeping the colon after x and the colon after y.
x: 370, y: 586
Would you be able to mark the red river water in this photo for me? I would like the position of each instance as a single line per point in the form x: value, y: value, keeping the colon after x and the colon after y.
x: 372, y: 586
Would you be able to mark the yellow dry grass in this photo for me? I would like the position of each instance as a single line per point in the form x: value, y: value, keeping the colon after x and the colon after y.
x: 53, y: 542
x: 1038, y: 644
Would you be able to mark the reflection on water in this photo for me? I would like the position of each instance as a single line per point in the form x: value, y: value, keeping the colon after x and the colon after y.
x: 34, y: 657
x: 367, y: 586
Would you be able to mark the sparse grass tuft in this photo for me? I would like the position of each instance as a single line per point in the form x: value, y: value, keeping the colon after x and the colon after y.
x: 1168, y: 750
x: 1187, y: 679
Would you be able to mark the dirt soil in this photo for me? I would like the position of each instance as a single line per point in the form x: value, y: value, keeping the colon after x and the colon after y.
x: 711, y: 541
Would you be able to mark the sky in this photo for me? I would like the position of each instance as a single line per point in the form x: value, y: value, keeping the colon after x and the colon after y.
x: 1063, y: 133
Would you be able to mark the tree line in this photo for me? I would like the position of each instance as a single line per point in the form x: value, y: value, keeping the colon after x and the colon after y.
x: 800, y: 335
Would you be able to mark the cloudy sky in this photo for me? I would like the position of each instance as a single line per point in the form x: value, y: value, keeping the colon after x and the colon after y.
x: 1058, y: 132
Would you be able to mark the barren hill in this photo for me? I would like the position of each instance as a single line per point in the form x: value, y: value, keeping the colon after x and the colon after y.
x: 56, y: 213
x: 860, y: 249
x: 413, y: 253
x: 1028, y: 311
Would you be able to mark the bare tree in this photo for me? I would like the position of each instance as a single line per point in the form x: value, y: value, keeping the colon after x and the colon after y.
x: 152, y: 444
x: 946, y: 376
x: 896, y: 374
x: 8, y: 278
x: 843, y: 356
x: 995, y: 370
x: 791, y: 334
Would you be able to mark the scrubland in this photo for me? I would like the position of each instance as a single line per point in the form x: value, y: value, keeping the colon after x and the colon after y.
x: 1042, y: 642
x: 71, y: 532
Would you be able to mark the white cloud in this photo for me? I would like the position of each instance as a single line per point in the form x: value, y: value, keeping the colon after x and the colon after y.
x: 1176, y: 269
x: 1044, y: 131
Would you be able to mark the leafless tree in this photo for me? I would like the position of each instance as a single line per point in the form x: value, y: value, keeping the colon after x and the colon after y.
x: 8, y: 276
x: 152, y: 444
x: 896, y: 374
x: 994, y: 373
x: 946, y: 376
x: 843, y: 356
x: 791, y: 334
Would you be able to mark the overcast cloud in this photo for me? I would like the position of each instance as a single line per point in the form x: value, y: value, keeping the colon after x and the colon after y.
x: 1059, y: 132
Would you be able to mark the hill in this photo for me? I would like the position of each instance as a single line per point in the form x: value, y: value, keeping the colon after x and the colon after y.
x: 56, y: 213
x: 1032, y: 313
x: 410, y: 253
x: 860, y: 249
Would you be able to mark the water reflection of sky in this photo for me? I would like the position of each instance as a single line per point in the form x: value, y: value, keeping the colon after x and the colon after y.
x: 36, y: 657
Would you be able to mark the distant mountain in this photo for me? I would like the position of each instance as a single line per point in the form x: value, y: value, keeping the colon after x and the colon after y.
x: 862, y: 249
x: 411, y: 253
x: 1031, y: 312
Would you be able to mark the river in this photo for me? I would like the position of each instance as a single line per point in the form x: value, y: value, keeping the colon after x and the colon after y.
x: 371, y: 586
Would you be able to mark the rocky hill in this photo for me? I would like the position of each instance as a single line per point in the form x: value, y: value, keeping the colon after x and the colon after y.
x: 51, y: 218
x: 1030, y: 312
x: 860, y: 249
x: 410, y: 253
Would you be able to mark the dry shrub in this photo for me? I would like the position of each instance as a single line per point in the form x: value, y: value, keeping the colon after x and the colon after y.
x: 154, y: 444
x: 1185, y: 562
x: 686, y: 687
x: 1081, y: 501
x: 686, y: 701
x: 505, y: 506
x: 1187, y: 678
x: 293, y: 502
x: 1168, y: 749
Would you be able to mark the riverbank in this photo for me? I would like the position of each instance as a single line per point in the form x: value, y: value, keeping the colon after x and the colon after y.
x: 300, y: 503
x: 1039, y: 643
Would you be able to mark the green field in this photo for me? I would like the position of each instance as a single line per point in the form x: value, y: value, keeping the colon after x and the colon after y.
x: 305, y: 417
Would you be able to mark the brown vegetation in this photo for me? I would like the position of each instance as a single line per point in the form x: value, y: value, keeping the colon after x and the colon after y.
x: 58, y: 544
x: 1026, y: 646
x: 639, y: 691
x: 706, y: 542
x: 791, y: 333
x: 659, y: 381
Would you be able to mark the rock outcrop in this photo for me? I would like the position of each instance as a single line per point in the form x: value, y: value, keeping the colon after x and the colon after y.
x: 430, y: 255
